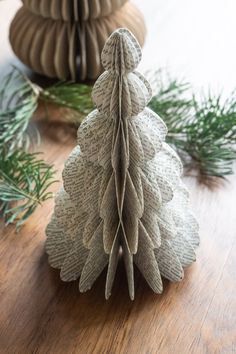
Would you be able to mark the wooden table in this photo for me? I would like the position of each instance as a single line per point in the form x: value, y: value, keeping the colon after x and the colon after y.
x: 41, y: 314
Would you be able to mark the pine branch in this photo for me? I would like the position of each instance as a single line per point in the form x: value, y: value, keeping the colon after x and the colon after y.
x: 210, y: 135
x: 76, y: 97
x: 202, y: 131
x: 18, y: 102
x: 24, y: 181
x: 170, y: 99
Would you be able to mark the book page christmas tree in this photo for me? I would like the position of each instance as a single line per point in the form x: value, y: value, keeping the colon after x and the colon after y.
x: 122, y: 192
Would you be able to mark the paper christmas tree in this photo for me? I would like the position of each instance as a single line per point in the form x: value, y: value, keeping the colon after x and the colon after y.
x: 122, y: 189
x: 64, y: 38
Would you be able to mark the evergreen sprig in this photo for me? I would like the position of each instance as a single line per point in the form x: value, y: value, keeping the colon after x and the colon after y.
x: 24, y: 183
x: 171, y: 99
x: 203, y: 131
x: 24, y: 179
x: 75, y: 96
x: 18, y: 102
x: 209, y: 136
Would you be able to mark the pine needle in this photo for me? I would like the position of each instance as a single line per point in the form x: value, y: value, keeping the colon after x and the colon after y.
x: 210, y: 136
x: 75, y: 96
x: 24, y: 181
x: 170, y: 100
x: 18, y: 102
x: 202, y: 131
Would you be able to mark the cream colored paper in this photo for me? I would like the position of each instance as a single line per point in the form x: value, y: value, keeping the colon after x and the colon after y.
x: 122, y: 186
x: 64, y: 38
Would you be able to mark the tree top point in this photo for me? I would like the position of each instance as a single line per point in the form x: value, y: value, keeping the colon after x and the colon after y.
x: 122, y: 52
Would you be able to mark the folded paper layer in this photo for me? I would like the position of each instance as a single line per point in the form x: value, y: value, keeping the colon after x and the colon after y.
x: 122, y: 192
x: 67, y: 10
x: 64, y: 38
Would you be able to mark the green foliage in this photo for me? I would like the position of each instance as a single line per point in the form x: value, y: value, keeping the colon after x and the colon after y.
x: 24, y: 181
x: 18, y: 102
x: 202, y: 131
x: 210, y: 135
x: 171, y: 99
x: 74, y: 96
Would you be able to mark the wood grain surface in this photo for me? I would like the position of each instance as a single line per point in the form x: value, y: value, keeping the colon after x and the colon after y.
x: 41, y: 314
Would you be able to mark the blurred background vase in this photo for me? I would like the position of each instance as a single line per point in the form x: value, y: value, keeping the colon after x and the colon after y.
x: 64, y: 38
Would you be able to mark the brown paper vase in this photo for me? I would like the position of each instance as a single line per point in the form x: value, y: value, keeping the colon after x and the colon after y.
x: 64, y: 38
